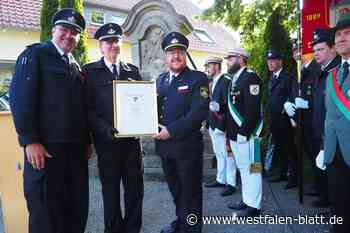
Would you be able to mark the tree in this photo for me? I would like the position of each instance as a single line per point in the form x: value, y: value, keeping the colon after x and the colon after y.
x: 48, y: 9
x: 262, y: 24
x: 250, y: 20
x: 80, y: 52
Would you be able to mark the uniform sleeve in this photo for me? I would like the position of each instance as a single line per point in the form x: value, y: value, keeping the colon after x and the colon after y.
x: 223, y: 104
x: 293, y: 89
x: 95, y: 123
x: 24, y: 94
x: 198, y: 111
x: 252, y: 106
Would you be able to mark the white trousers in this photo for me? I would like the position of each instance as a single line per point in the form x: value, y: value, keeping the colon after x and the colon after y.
x: 251, y: 182
x: 226, y: 166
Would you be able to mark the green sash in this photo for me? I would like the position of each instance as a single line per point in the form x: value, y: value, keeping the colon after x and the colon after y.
x: 234, y: 113
x: 254, y: 149
x: 337, y: 95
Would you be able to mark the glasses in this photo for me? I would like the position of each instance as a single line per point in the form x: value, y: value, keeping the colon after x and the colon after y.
x: 176, y: 52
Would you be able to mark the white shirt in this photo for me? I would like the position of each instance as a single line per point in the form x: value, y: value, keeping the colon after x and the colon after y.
x: 59, y: 50
x: 343, y: 60
x: 215, y: 80
x: 110, y: 65
x: 172, y: 75
x: 277, y: 73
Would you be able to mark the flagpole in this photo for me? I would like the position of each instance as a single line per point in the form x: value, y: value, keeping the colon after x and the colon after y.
x: 299, y: 111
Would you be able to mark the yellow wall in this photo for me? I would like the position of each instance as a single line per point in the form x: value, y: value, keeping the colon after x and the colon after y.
x: 12, y: 42
x: 199, y: 59
x: 11, y: 181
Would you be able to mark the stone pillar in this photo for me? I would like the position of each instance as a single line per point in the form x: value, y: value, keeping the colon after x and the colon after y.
x: 145, y: 26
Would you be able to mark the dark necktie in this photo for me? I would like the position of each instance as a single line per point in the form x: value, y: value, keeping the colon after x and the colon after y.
x: 65, y: 58
x: 272, y: 81
x: 345, y: 73
x: 114, y: 72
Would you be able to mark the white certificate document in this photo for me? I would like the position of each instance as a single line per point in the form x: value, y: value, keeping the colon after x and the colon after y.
x: 135, y: 108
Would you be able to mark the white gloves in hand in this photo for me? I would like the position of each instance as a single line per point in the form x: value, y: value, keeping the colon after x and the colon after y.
x: 290, y: 108
x: 203, y: 129
x: 214, y: 106
x: 218, y: 132
x: 320, y: 160
x: 301, y: 103
x: 241, y: 138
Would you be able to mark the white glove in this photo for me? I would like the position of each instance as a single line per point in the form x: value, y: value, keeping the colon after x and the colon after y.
x: 203, y: 129
x: 214, y: 106
x: 301, y: 103
x: 320, y: 160
x: 241, y: 138
x: 290, y: 108
x: 218, y: 132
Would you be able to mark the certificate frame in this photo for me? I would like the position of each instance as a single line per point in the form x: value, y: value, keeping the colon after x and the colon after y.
x: 135, y: 110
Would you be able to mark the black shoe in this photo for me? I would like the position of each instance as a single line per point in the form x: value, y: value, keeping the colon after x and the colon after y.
x: 228, y: 190
x: 237, y: 206
x: 278, y: 179
x: 249, y: 212
x: 320, y: 203
x: 171, y: 228
x: 214, y: 184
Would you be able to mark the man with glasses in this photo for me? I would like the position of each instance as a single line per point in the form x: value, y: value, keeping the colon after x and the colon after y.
x: 48, y: 105
x: 183, y: 99
x: 119, y: 159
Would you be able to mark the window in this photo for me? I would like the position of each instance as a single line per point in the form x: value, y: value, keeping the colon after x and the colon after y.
x: 97, y: 17
x: 203, y: 35
x: 117, y: 19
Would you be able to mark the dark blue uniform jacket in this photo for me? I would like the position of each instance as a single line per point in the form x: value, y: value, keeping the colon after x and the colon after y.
x: 245, y: 94
x: 100, y: 95
x: 182, y: 107
x: 278, y: 93
x: 47, y: 98
x: 218, y: 119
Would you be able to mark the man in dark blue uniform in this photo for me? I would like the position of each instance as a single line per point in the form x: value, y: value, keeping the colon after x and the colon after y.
x: 119, y: 159
x: 49, y: 112
x: 183, y: 99
x: 279, y: 90
x: 242, y: 125
x: 226, y: 166
x: 309, y: 73
x: 326, y: 56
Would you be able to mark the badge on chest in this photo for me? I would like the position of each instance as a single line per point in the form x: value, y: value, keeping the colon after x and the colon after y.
x: 183, y: 89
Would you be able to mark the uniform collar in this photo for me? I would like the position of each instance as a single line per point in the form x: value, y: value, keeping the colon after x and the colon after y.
x: 344, y: 60
x: 239, y: 72
x: 324, y: 67
x: 59, y: 50
x: 110, y: 65
x: 277, y: 73
x: 217, y: 77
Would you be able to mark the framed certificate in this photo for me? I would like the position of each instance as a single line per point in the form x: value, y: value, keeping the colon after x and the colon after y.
x: 135, y: 108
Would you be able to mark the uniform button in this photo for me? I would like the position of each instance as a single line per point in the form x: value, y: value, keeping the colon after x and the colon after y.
x: 161, y: 116
x: 165, y: 98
